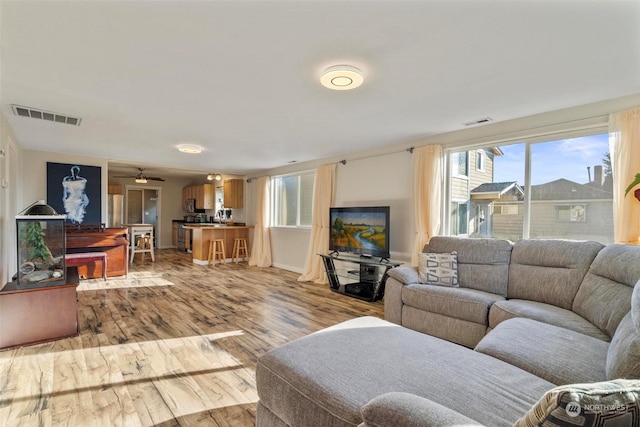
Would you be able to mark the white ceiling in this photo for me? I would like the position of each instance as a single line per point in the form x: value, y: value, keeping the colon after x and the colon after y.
x: 241, y: 78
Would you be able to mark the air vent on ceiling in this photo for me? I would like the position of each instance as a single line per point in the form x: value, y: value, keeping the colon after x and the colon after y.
x: 34, y: 113
x: 478, y: 122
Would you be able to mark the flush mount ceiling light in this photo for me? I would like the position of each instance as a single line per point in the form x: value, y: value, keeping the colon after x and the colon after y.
x: 342, y: 77
x: 213, y: 176
x: 190, y: 148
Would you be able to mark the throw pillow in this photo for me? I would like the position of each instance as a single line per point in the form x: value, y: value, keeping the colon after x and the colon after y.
x: 438, y: 269
x: 609, y: 403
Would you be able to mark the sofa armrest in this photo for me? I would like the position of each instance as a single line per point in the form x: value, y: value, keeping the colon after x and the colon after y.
x: 408, y: 410
x: 398, y: 278
x: 404, y: 274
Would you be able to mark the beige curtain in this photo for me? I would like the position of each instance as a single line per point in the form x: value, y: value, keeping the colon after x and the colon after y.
x: 319, y: 243
x: 624, y: 146
x: 261, y: 248
x: 428, y: 169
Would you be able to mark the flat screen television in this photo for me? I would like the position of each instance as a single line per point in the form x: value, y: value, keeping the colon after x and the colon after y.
x: 360, y: 230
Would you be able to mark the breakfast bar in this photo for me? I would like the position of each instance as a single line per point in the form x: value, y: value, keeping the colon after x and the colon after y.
x: 201, y: 234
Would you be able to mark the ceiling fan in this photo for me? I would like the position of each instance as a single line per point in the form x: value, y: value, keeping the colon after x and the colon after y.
x: 140, y: 178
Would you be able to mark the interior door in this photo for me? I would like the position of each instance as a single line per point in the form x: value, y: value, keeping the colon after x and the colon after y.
x: 134, y: 206
x: 143, y: 207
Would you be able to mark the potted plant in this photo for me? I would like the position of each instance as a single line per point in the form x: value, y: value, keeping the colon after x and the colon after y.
x: 635, y: 182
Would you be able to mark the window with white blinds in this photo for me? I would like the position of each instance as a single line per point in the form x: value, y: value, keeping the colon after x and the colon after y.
x: 292, y: 200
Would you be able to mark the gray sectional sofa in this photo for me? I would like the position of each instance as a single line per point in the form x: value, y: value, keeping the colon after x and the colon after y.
x: 524, y: 319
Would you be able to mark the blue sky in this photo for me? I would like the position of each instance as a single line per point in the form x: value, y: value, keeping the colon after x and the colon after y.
x: 567, y: 158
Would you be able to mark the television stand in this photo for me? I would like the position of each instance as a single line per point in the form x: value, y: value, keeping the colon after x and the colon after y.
x: 359, y: 277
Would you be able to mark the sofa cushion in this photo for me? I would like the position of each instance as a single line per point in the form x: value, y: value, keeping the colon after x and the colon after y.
x: 556, y: 354
x: 612, y: 403
x: 549, y: 271
x: 325, y: 378
x: 623, y: 360
x: 438, y: 269
x: 604, y: 297
x: 546, y: 313
x: 461, y: 303
x: 409, y: 410
x: 483, y: 264
x: 463, y: 332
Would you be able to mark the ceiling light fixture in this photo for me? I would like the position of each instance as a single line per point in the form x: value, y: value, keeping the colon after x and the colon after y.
x: 212, y: 176
x: 141, y: 180
x: 342, y: 77
x: 190, y: 148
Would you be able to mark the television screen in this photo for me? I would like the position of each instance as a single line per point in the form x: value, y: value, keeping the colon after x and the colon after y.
x: 360, y: 230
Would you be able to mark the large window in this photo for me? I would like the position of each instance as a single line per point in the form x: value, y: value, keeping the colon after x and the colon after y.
x: 568, y: 193
x: 292, y: 200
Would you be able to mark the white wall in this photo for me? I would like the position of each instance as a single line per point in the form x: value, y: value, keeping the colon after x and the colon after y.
x: 381, y: 180
x: 10, y: 200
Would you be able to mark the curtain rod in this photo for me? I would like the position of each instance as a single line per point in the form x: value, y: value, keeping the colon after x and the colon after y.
x: 409, y: 150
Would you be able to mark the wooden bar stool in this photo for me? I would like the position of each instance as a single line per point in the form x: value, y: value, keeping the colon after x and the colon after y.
x: 216, y: 251
x: 240, y: 249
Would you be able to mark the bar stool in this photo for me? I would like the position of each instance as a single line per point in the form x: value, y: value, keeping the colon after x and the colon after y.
x: 216, y: 251
x: 240, y: 249
x: 142, y: 241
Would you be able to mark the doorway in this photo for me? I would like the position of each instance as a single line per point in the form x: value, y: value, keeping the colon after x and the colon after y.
x: 143, y: 207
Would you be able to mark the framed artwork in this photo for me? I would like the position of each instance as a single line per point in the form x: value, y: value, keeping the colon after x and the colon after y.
x: 75, y: 190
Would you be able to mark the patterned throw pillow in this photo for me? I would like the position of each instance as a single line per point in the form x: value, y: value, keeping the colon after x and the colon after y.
x: 438, y: 269
x: 609, y: 403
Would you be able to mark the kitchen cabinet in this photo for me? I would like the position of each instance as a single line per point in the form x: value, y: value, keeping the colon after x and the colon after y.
x: 174, y: 233
x: 233, y: 193
x: 203, y: 194
x: 114, y: 189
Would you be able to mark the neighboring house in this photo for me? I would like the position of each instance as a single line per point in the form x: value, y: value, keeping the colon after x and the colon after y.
x: 469, y: 169
x: 559, y: 209
x: 496, y: 198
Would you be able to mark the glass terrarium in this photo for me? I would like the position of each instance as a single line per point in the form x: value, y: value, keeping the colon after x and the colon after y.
x: 41, y: 247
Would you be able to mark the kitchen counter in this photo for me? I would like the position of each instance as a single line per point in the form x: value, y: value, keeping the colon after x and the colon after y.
x: 202, y: 233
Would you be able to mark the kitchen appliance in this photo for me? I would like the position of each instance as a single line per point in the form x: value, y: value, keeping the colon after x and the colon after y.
x: 182, y: 234
x: 190, y: 205
x: 115, y: 210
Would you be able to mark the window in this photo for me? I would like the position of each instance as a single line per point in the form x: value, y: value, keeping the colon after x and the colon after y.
x: 571, y: 213
x: 292, y: 200
x: 568, y: 195
x: 480, y: 159
x: 460, y: 163
x: 459, y: 218
x: 505, y: 210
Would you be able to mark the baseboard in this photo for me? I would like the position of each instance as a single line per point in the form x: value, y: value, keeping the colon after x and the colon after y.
x: 287, y: 267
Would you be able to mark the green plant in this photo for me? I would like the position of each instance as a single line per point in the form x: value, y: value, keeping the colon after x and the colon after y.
x: 635, y: 182
x: 35, y: 239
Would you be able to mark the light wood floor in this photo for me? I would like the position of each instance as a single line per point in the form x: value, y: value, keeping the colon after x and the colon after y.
x: 174, y: 344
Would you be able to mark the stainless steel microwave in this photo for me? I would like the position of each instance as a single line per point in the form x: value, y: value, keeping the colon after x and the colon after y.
x: 191, y: 205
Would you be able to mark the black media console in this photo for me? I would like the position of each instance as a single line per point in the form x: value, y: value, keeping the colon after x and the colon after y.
x: 359, y: 277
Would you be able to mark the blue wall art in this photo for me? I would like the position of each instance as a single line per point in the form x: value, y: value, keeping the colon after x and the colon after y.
x: 75, y: 190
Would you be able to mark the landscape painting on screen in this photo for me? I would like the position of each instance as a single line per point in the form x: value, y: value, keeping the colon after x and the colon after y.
x: 359, y: 231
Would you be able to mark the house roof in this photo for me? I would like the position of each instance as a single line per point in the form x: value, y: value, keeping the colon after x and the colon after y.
x: 564, y: 189
x: 493, y: 187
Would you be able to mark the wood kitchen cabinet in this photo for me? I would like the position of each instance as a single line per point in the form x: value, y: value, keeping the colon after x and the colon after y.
x: 114, y: 189
x: 204, y: 195
x: 174, y: 234
x: 233, y: 193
